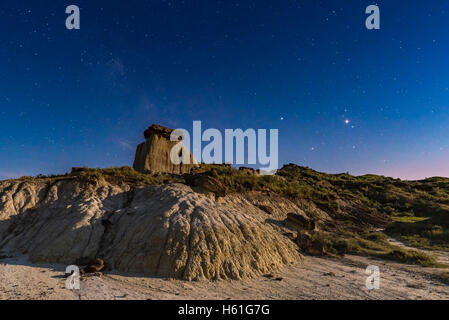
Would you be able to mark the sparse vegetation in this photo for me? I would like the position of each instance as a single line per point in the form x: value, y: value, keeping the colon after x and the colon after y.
x: 416, y: 212
x: 114, y: 175
x: 373, y: 244
x: 127, y: 175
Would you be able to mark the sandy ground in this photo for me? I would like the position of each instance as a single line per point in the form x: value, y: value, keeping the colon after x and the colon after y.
x: 312, y: 278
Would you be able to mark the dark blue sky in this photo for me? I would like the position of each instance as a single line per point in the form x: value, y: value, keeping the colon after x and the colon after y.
x: 83, y: 97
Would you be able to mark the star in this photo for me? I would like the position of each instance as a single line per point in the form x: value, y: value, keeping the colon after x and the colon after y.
x: 347, y: 121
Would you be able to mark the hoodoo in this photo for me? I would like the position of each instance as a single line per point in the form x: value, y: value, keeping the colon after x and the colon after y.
x: 153, y: 155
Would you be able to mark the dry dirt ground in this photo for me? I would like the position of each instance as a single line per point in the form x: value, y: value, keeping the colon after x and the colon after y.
x: 312, y: 278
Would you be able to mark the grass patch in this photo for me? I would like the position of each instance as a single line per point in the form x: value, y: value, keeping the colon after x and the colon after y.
x: 412, y: 257
x: 373, y: 244
x: 287, y: 185
x: 127, y: 175
x: 427, y: 234
x: 409, y: 219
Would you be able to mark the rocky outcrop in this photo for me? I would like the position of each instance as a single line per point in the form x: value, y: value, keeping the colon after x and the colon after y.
x: 248, y: 171
x: 168, y: 231
x: 207, y: 181
x: 298, y: 221
x: 154, y: 154
x: 309, y: 245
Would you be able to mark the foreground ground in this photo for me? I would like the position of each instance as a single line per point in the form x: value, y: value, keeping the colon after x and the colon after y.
x: 312, y: 278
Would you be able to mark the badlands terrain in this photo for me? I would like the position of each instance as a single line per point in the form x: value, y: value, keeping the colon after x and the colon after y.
x: 223, y: 233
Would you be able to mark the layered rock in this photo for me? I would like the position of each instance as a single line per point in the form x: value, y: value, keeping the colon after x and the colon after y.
x: 153, y: 155
x: 207, y: 181
x: 168, y: 231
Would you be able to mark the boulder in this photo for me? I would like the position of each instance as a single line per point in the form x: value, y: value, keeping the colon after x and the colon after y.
x: 93, y: 266
x: 309, y: 245
x: 207, y: 181
x: 301, y: 222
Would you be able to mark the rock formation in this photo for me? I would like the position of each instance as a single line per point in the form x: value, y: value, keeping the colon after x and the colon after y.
x: 168, y: 230
x: 207, y: 181
x: 153, y: 155
x: 95, y: 265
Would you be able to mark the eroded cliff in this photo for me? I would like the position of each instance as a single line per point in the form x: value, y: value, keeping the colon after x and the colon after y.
x: 168, y: 230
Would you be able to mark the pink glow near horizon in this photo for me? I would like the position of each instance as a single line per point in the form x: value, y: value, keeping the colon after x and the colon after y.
x: 416, y: 171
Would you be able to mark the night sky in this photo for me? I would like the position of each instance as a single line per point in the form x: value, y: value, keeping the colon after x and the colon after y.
x: 84, y: 97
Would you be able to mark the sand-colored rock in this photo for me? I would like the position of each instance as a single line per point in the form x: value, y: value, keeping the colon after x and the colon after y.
x: 154, y: 154
x: 299, y: 221
x: 169, y: 231
x: 94, y: 266
x: 207, y: 181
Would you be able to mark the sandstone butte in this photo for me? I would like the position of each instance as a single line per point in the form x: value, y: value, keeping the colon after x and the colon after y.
x: 153, y: 155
